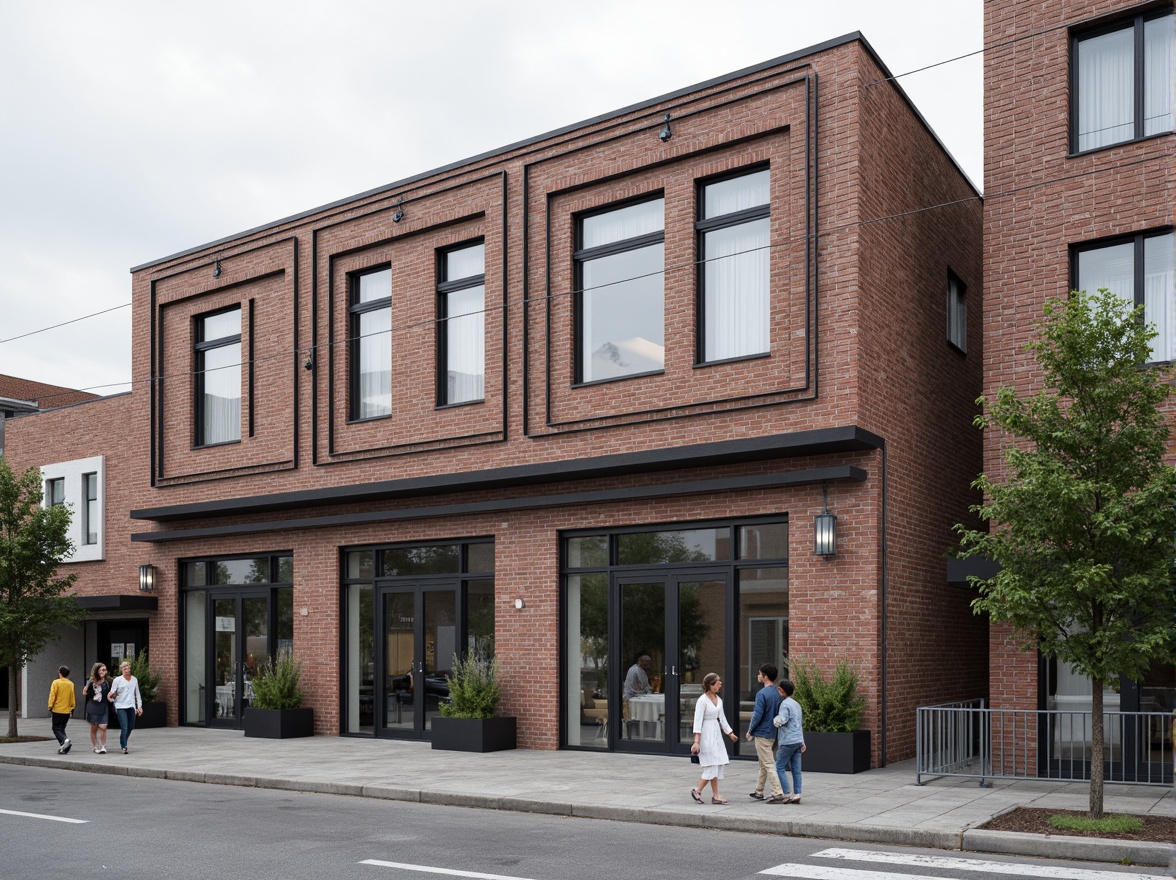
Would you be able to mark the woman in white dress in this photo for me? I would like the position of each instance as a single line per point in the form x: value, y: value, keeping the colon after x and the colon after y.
x: 709, y: 726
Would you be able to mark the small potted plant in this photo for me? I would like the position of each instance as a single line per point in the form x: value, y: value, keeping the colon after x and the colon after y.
x: 833, y: 711
x: 275, y: 708
x: 467, y: 722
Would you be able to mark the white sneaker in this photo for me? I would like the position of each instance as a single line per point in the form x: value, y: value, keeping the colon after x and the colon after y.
x: 65, y: 747
x: 102, y: 750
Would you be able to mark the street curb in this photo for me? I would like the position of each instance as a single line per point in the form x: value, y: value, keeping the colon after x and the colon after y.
x: 1061, y: 846
x: 975, y: 840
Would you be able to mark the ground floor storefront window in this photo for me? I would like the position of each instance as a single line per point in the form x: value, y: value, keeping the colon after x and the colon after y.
x: 407, y: 610
x: 236, y: 611
x: 648, y: 612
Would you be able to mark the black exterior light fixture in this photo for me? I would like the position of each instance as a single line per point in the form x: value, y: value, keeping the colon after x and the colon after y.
x: 825, y: 529
x: 398, y: 214
x: 216, y: 270
x: 666, y: 133
x: 146, y: 578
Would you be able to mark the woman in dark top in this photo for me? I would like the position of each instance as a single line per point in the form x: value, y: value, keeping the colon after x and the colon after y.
x: 96, y: 693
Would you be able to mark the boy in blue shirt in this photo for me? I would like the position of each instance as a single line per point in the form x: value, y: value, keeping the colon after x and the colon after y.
x: 789, y: 722
x: 767, y: 703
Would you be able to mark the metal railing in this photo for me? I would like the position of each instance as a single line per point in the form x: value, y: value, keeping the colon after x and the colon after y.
x: 967, y: 739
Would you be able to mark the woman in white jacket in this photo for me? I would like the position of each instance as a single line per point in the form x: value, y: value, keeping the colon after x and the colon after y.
x: 710, y: 723
x: 128, y: 702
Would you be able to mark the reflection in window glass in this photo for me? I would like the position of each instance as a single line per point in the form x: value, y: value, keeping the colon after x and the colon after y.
x: 360, y: 564
x: 437, y: 559
x: 590, y: 551
x: 285, y: 569
x: 194, y: 574
x: 687, y: 545
x: 242, y: 571
x: 361, y: 653
x: 480, y: 557
x: 196, y: 627
x: 586, y: 663
x: 764, y: 541
x: 763, y: 622
x: 284, y: 614
x: 480, y: 618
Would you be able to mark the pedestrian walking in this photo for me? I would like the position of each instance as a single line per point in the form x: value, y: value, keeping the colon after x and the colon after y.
x: 789, y: 722
x: 761, y: 730
x: 710, y: 723
x: 97, y: 695
x: 128, y: 703
x: 62, y: 699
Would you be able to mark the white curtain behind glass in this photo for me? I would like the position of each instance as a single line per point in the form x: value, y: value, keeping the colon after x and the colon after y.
x: 1158, y: 37
x: 1159, y: 258
x: 375, y: 363
x: 623, y: 223
x: 736, y: 319
x: 222, y: 394
x: 466, y: 345
x: 1106, y: 88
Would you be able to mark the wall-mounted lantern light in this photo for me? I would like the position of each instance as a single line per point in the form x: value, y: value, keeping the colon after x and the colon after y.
x: 666, y: 133
x: 146, y: 578
x: 825, y: 530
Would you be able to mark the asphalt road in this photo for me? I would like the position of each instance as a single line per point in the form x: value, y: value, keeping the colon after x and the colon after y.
x: 57, y: 824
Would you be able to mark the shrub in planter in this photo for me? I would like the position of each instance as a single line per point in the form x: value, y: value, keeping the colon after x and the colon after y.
x: 154, y: 710
x: 833, y: 711
x: 467, y: 721
x: 275, y: 709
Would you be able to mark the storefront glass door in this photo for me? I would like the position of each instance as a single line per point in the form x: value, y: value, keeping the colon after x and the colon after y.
x: 240, y: 638
x: 673, y: 630
x: 420, y: 638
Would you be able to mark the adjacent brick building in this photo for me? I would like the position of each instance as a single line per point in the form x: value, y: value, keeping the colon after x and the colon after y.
x: 584, y: 398
x: 1079, y: 194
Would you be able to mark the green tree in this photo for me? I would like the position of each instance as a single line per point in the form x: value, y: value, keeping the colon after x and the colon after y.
x: 1083, y: 524
x: 34, y: 600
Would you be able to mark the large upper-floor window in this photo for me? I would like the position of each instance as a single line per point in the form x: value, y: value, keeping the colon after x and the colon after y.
x: 218, y: 377
x: 620, y: 281
x: 461, y: 343
x: 371, y: 344
x: 78, y: 484
x: 1140, y: 269
x: 1123, y: 81
x: 957, y: 312
x: 733, y: 230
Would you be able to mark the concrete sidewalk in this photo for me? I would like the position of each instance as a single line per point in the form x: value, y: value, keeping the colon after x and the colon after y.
x: 880, y: 806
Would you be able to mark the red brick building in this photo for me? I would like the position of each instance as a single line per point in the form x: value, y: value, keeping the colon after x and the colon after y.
x: 584, y: 398
x: 1079, y: 194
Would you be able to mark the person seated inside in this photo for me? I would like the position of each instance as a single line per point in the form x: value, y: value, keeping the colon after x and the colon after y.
x: 637, y: 679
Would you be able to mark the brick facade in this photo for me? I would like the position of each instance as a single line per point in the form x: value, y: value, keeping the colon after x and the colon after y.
x: 868, y: 215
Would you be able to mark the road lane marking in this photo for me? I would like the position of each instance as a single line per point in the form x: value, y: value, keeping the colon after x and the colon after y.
x: 952, y: 863
x: 42, y: 816
x: 430, y: 870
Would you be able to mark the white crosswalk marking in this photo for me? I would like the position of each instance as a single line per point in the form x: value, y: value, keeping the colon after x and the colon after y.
x: 943, y: 863
x: 427, y: 869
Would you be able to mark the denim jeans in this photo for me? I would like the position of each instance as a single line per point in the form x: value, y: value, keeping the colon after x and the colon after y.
x: 126, y: 723
x: 785, y: 756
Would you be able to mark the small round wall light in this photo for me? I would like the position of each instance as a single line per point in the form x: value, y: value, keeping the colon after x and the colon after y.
x: 520, y: 604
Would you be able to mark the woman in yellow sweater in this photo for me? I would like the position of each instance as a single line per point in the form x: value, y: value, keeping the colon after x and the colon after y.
x: 62, y: 699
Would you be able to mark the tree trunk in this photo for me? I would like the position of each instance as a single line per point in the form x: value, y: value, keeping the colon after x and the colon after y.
x: 1096, y: 749
x: 12, y: 670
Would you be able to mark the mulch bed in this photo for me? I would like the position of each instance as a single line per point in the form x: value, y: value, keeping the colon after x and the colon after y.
x: 24, y: 739
x: 1160, y: 829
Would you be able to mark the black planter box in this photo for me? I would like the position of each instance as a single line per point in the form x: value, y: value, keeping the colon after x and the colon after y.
x: 474, y: 734
x: 154, y: 715
x: 836, y: 752
x: 279, y: 723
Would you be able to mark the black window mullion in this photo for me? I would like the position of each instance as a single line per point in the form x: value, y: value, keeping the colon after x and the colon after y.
x: 619, y: 247
x: 737, y: 218
x: 461, y: 283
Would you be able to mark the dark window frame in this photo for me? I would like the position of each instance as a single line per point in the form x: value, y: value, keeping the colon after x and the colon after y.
x: 1137, y: 240
x: 582, y: 255
x: 445, y: 286
x: 1136, y: 23
x: 89, y: 508
x: 355, y: 342
x: 200, y: 347
x: 954, y: 284
x: 53, y: 496
x: 702, y: 226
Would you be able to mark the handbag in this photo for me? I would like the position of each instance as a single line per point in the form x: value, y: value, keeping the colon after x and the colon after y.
x: 694, y: 759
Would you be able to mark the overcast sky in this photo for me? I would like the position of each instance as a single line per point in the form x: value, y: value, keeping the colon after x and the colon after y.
x: 132, y: 130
